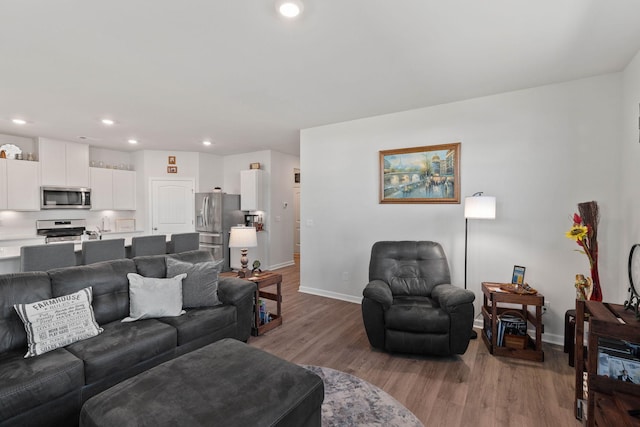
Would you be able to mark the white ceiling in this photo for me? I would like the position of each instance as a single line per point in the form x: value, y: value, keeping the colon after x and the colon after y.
x: 172, y: 73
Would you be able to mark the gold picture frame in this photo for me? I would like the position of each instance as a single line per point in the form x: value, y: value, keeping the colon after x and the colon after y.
x: 428, y: 174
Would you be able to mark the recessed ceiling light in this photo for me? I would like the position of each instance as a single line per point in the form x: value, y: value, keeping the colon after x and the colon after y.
x: 19, y: 121
x: 133, y: 141
x: 207, y: 143
x: 289, y: 8
x: 107, y: 122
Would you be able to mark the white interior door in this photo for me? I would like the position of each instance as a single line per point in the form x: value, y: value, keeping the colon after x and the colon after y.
x: 172, y: 206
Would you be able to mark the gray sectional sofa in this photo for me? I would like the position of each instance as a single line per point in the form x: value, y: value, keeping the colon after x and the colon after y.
x: 49, y: 389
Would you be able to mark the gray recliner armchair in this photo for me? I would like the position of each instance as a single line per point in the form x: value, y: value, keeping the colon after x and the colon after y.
x: 409, y: 304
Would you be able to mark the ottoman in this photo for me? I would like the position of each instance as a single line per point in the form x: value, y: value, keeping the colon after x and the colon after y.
x: 227, y: 383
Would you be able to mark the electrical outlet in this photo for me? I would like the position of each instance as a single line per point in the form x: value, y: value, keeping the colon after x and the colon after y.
x: 546, y: 307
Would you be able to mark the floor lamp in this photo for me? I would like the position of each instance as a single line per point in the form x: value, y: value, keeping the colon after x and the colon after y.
x: 476, y: 207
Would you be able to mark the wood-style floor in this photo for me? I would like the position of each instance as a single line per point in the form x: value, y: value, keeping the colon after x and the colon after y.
x: 475, y: 389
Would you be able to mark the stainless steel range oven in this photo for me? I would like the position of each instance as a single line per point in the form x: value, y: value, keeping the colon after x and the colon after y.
x: 61, y: 230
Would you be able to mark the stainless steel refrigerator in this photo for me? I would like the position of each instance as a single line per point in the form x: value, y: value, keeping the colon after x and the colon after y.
x: 216, y: 213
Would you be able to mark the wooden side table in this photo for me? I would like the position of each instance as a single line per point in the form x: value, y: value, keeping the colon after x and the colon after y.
x: 491, y: 309
x: 607, y: 398
x: 266, y: 279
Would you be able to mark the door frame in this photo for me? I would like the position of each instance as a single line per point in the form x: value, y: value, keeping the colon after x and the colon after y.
x: 150, y: 200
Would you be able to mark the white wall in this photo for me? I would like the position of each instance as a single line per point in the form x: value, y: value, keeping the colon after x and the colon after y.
x: 153, y: 164
x: 278, y: 190
x: 539, y: 151
x: 26, y: 144
x: 210, y: 172
x: 232, y: 166
x: 206, y: 169
x: 278, y: 185
x: 282, y: 209
x: 156, y: 162
x: 239, y: 162
x: 110, y: 157
x: 630, y: 152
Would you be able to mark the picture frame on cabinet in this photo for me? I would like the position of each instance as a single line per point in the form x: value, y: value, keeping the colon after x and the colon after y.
x: 172, y: 169
x: 172, y: 160
x: 428, y: 174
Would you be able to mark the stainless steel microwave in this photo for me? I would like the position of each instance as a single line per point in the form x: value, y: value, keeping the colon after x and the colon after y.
x: 65, y: 198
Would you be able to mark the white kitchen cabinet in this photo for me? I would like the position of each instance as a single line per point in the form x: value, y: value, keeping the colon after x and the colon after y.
x: 53, y: 165
x: 113, y: 189
x: 251, y: 190
x: 64, y: 164
x: 124, y: 190
x: 3, y: 184
x: 23, y: 189
x: 77, y: 156
x: 101, y: 189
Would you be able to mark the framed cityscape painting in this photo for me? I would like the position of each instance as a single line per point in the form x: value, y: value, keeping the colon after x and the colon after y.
x: 428, y: 174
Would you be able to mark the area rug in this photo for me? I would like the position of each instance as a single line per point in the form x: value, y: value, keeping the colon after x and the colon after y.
x: 351, y: 401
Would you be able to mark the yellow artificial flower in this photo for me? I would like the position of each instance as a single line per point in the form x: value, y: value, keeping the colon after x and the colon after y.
x: 577, y: 232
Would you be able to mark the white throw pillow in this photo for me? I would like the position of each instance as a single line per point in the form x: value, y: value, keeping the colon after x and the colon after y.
x: 58, y: 322
x: 150, y: 298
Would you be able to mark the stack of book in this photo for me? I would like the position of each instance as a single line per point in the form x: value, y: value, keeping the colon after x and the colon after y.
x: 619, y: 360
x: 510, y: 325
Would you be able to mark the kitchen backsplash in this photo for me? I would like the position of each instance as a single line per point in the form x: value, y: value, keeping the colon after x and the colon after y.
x: 24, y: 223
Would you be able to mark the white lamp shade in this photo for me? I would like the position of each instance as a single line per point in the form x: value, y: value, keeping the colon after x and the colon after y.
x: 243, y: 237
x: 480, y: 207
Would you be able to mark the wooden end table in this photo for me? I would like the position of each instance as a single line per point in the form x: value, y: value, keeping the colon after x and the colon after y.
x: 263, y: 280
x: 491, y: 309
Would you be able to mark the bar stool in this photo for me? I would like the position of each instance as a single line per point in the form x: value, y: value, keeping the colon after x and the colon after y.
x: 183, y: 242
x: 102, y: 250
x: 46, y: 257
x: 149, y: 245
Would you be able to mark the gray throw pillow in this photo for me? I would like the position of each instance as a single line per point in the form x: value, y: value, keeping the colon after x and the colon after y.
x: 200, y: 288
x: 150, y: 297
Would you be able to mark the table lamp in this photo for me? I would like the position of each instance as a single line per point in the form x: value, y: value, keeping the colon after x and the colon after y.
x: 243, y: 238
x: 476, y: 207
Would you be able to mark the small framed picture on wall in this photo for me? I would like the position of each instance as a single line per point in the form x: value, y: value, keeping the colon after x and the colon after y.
x: 172, y: 160
x: 172, y: 169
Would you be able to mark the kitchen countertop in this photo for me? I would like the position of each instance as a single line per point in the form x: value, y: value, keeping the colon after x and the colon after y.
x: 24, y: 236
x: 11, y: 252
x: 8, y: 252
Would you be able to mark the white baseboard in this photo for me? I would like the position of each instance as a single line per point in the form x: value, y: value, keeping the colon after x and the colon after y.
x: 548, y: 338
x: 329, y: 294
x: 282, y: 265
